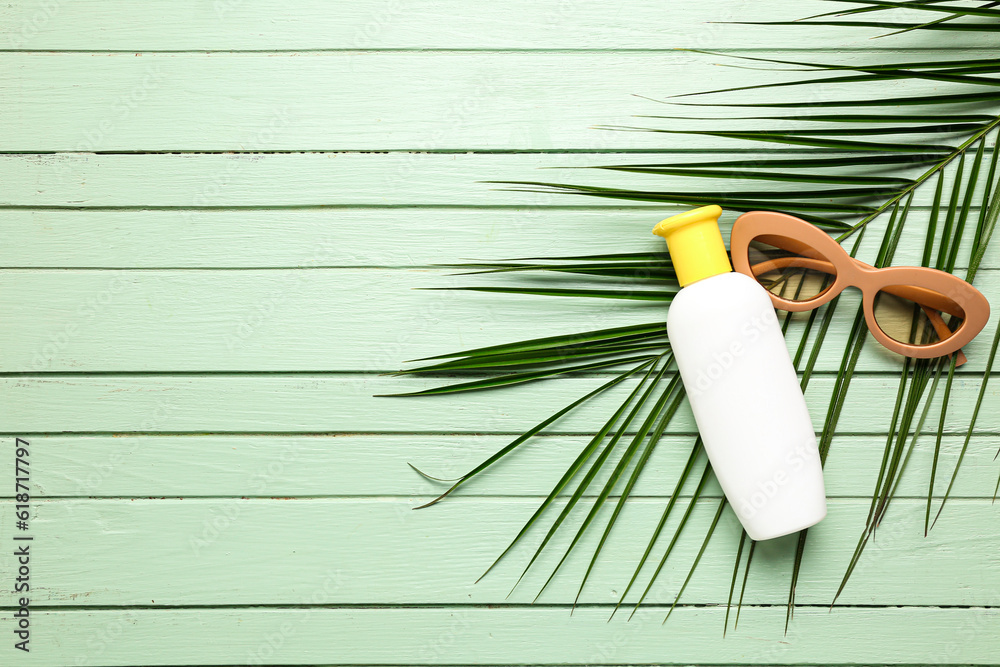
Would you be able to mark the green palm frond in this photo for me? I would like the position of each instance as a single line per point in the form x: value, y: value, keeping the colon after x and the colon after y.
x: 940, y: 16
x: 839, y: 163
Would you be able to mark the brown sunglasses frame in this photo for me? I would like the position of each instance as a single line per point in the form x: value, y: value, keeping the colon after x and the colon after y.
x: 909, y: 281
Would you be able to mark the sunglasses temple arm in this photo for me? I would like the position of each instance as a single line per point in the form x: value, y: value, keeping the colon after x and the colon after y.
x: 943, y: 331
x: 778, y: 263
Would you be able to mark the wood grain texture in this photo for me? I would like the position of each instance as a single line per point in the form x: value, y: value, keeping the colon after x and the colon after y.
x: 213, y: 216
x: 369, y: 320
x: 344, y: 403
x: 358, y: 237
x: 354, y: 466
x: 358, y: 101
x: 315, y: 180
x: 426, y: 24
x: 204, y: 551
x: 504, y: 635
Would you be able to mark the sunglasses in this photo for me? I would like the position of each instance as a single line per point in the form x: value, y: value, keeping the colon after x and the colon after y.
x: 914, y: 311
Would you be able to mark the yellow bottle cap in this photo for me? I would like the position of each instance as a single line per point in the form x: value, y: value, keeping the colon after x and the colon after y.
x: 695, y: 244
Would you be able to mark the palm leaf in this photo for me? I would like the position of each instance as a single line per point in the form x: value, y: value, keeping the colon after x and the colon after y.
x: 972, y: 423
x: 527, y: 435
x: 697, y: 558
x: 705, y: 476
x: 928, y: 7
x: 664, y: 419
x: 861, y: 10
x: 934, y: 22
x: 732, y: 586
x: 848, y: 162
x: 979, y: 27
x: 598, y: 336
x: 640, y: 294
x: 696, y: 451
x: 575, y: 467
x: 637, y: 440
x: 824, y: 445
x: 595, y: 467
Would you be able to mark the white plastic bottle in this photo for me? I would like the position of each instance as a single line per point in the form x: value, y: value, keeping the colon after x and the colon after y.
x: 741, y: 383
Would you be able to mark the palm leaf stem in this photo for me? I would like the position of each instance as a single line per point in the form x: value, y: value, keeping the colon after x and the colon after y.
x: 959, y: 151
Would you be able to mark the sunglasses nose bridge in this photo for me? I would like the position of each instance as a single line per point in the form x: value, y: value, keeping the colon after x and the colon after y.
x: 856, y: 274
x: 864, y: 267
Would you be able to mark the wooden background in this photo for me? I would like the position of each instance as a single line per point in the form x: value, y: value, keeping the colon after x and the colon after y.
x: 213, y: 216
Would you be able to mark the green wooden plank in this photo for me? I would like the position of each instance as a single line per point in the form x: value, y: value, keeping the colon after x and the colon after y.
x: 344, y: 403
x: 354, y: 237
x: 384, y: 553
x: 428, y: 24
x: 317, y: 320
x: 308, y: 102
x: 372, y: 101
x: 327, y: 528
x: 375, y: 465
x: 186, y: 181
x: 317, y: 635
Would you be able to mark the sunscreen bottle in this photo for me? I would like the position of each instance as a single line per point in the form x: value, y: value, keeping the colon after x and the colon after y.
x: 740, y: 381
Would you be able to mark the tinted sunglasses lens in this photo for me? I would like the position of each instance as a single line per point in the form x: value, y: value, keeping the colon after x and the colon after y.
x: 789, y: 268
x: 916, y: 315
